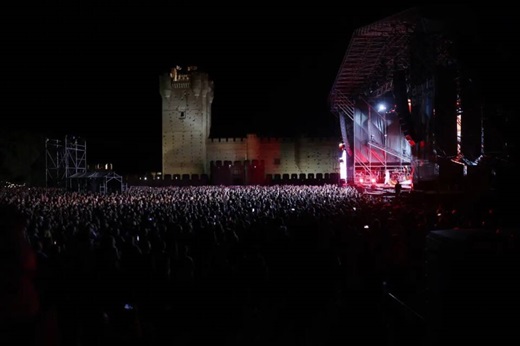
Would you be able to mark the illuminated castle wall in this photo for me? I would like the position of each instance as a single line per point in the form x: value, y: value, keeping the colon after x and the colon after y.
x: 280, y: 155
x: 188, y: 149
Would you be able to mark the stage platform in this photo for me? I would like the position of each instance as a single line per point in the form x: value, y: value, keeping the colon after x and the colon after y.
x: 386, y: 190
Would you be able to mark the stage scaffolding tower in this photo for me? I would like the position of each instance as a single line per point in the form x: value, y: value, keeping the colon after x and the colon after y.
x: 64, y: 158
x: 365, y: 74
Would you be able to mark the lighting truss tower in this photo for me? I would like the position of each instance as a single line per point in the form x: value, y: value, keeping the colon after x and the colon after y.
x: 75, y: 156
x: 54, y: 163
x: 63, y: 159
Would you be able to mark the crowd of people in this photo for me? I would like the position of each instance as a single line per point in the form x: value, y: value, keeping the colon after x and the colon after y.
x: 240, y: 265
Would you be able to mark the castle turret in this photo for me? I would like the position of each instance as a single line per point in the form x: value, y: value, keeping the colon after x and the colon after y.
x: 186, y: 114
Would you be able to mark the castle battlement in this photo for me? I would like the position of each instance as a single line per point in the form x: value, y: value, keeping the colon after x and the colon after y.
x: 296, y: 139
x: 273, y: 139
x: 227, y: 140
x: 177, y: 74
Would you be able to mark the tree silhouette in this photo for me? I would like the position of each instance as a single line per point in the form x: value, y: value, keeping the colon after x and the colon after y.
x: 22, y: 157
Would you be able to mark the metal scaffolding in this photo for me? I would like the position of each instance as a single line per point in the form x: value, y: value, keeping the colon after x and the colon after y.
x: 63, y: 159
x: 54, y: 163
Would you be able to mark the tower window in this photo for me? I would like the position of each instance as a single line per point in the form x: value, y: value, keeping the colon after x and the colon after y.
x: 183, y: 115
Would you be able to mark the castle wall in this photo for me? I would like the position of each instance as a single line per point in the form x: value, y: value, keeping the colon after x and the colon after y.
x: 299, y: 155
x: 280, y: 155
x: 227, y: 149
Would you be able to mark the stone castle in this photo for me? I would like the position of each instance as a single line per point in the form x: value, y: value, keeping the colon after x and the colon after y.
x: 188, y: 149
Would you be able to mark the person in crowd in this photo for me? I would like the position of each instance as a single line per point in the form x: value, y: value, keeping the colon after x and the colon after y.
x: 19, y: 301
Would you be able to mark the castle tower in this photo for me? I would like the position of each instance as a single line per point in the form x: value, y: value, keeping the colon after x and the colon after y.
x: 186, y: 120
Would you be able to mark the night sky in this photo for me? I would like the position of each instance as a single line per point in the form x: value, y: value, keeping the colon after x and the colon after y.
x: 91, y: 69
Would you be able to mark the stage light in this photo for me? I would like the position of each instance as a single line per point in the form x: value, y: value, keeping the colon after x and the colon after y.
x: 381, y: 107
x: 343, y: 165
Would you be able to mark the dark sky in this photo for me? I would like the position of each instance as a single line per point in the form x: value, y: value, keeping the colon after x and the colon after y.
x: 90, y: 68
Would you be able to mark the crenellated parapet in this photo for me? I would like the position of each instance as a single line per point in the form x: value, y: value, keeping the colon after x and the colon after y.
x: 191, y: 78
x: 227, y: 140
x: 274, y: 139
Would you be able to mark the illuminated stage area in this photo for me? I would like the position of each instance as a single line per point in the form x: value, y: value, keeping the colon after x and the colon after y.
x: 406, y: 109
x: 384, y: 190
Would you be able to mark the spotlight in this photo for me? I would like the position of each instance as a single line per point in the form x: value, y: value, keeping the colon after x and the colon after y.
x: 381, y: 107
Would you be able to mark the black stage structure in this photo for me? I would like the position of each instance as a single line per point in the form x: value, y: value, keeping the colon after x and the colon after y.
x: 406, y: 107
x: 96, y: 181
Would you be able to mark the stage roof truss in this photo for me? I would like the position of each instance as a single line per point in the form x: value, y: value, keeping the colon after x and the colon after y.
x: 109, y: 175
x: 373, y: 53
